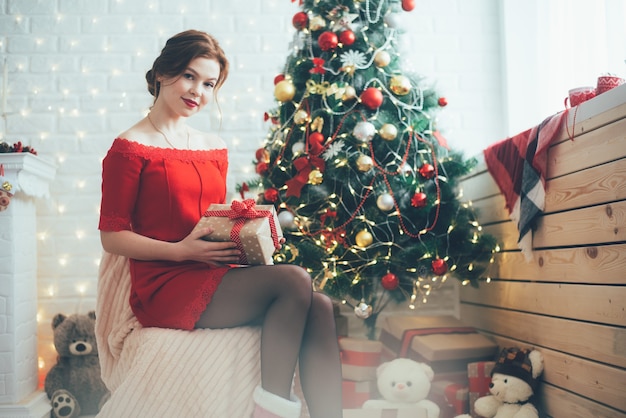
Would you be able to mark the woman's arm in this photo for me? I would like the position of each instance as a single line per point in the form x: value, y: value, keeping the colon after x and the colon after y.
x: 192, y: 247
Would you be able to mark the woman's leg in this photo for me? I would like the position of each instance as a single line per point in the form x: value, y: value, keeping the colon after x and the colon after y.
x: 320, y: 365
x: 277, y: 297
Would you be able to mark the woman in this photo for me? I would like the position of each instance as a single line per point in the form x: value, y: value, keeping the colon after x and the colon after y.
x: 158, y: 178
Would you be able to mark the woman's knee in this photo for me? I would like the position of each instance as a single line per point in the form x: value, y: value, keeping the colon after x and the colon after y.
x: 322, y: 307
x: 296, y: 282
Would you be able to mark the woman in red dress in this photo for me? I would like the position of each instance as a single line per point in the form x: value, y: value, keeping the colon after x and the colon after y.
x: 158, y: 178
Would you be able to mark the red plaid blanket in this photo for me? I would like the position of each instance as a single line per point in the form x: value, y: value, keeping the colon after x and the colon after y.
x: 518, y: 165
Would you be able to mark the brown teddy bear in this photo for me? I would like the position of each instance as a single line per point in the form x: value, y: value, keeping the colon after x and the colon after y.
x: 74, y: 385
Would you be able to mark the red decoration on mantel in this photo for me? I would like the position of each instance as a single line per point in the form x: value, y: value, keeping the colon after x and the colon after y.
x: 442, y: 102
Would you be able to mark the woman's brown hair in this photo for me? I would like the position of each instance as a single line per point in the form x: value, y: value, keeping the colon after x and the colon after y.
x: 179, y: 51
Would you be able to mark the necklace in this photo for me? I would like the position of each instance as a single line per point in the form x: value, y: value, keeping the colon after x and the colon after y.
x: 165, y: 136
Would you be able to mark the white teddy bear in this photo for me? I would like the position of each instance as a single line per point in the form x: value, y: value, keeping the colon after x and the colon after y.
x: 404, y: 383
x: 513, y: 382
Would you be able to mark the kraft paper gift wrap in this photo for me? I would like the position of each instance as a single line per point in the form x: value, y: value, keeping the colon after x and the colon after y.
x: 254, y: 228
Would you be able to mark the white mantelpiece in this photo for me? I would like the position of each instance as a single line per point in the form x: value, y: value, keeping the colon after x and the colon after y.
x: 30, y: 177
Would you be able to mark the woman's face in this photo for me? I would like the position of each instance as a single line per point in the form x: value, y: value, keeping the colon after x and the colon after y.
x: 188, y: 93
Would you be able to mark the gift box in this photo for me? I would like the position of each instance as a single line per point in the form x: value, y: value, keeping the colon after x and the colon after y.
x: 409, y: 412
x: 443, y: 342
x: 356, y: 393
x: 452, y: 398
x: 359, y: 358
x: 479, y: 377
x: 254, y: 228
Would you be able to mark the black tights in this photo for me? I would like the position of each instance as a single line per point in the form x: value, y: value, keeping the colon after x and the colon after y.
x: 297, y: 325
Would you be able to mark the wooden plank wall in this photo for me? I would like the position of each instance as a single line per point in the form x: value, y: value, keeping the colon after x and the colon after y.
x: 568, y: 302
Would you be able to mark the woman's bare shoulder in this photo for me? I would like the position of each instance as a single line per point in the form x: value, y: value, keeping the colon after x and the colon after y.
x: 207, y: 141
x: 139, y: 133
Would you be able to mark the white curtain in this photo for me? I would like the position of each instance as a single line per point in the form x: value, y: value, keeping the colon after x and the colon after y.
x: 552, y: 46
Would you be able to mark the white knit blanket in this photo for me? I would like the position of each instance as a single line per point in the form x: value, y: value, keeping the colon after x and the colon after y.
x: 156, y: 372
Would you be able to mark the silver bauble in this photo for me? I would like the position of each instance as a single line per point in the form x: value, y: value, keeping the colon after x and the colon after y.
x: 286, y: 220
x: 364, y: 131
x: 363, y: 310
x: 297, y: 148
x: 385, y: 202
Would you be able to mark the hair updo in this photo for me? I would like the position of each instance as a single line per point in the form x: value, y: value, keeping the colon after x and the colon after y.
x: 179, y: 51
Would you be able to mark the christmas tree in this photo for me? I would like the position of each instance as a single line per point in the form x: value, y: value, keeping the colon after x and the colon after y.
x: 364, y: 183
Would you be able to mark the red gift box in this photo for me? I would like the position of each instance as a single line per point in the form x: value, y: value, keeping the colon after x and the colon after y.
x: 356, y: 393
x: 479, y: 376
x: 442, y: 342
x: 452, y: 398
x: 359, y: 358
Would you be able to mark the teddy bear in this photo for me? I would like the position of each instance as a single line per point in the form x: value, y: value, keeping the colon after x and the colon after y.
x: 404, y: 383
x: 513, y: 382
x: 73, y: 384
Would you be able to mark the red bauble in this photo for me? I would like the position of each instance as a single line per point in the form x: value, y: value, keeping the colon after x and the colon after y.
x: 442, y: 101
x: 390, y: 281
x: 279, y: 78
x: 427, y: 171
x: 372, y: 98
x: 316, y: 143
x: 439, y: 266
x: 419, y: 200
x: 347, y: 37
x: 408, y: 5
x: 300, y: 20
x: 262, y: 168
x: 271, y: 195
x: 328, y: 40
x: 262, y: 155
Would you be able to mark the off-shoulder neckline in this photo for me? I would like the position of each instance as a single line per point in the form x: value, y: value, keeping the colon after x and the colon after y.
x: 139, y: 144
x: 133, y: 148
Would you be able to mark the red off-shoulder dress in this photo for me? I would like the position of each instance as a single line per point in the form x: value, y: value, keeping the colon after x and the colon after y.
x: 161, y: 193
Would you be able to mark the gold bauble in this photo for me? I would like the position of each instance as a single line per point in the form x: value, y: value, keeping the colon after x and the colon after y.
x: 388, y: 132
x: 317, y: 23
x: 364, y: 163
x: 382, y: 59
x: 364, y: 238
x: 316, y: 177
x: 349, y: 94
x: 284, y: 91
x: 301, y: 117
x: 400, y: 85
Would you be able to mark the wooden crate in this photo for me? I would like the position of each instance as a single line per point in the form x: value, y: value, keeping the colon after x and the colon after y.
x: 569, y: 302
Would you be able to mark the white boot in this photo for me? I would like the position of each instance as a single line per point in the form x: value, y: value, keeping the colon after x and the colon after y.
x: 269, y: 405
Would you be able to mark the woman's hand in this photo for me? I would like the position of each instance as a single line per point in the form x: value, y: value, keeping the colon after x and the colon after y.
x: 193, y: 247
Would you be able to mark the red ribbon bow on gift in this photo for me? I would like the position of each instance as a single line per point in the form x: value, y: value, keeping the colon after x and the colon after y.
x: 244, y: 209
x: 304, y: 165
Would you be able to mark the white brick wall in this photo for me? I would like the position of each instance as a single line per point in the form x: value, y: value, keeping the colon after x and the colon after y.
x: 76, y: 79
